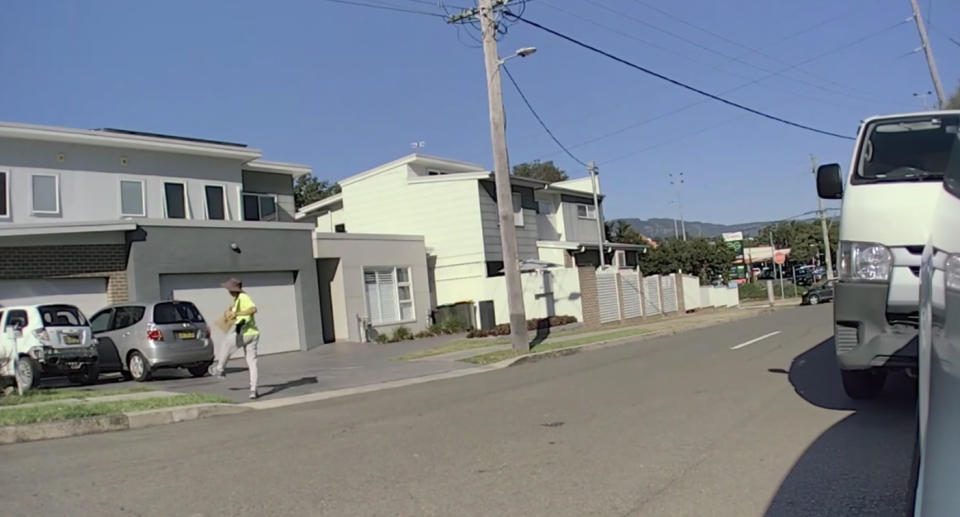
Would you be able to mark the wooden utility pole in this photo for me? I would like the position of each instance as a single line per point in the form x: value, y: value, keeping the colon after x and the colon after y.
x: 501, y: 169
x: 823, y: 224
x: 934, y: 74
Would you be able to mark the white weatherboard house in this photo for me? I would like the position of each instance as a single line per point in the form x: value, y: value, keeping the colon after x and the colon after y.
x: 452, y: 207
x: 99, y: 217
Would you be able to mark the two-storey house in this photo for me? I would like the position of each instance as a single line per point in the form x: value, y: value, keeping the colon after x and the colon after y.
x: 452, y: 205
x: 94, y: 217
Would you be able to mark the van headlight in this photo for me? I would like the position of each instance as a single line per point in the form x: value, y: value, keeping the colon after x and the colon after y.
x: 951, y: 269
x: 865, y: 262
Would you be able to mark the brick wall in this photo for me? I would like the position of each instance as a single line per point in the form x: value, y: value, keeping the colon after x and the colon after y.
x: 589, y: 302
x: 69, y: 261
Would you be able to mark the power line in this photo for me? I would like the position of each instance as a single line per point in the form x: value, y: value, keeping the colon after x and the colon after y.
x: 728, y: 56
x: 540, y: 120
x: 678, y: 83
x: 386, y: 8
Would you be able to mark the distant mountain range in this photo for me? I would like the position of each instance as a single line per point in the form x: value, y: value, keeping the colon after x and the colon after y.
x: 659, y: 228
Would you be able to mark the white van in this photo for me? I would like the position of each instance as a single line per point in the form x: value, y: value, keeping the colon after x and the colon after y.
x: 889, y: 197
x: 936, y: 459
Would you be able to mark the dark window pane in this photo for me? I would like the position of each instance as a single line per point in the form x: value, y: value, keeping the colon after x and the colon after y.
x: 176, y: 312
x: 268, y: 208
x: 100, y: 322
x: 340, y: 228
x: 61, y: 316
x: 17, y: 320
x: 3, y: 194
x: 127, y: 316
x: 215, y: 209
x: 176, y: 205
x: 251, y: 208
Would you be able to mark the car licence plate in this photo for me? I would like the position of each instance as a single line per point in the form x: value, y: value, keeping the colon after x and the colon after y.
x: 186, y: 334
x: 70, y: 339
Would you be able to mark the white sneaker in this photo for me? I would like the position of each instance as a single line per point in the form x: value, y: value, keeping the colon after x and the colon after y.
x: 254, y: 395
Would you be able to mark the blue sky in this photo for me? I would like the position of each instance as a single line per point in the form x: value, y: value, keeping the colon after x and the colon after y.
x: 344, y: 88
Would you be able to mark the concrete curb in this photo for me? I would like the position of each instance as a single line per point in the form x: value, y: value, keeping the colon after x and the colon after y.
x: 116, y: 422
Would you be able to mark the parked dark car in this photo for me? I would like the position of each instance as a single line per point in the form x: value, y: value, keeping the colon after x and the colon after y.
x: 819, y: 293
x: 137, y: 338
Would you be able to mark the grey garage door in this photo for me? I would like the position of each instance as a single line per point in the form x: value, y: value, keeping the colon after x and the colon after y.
x: 273, y: 292
x: 89, y: 294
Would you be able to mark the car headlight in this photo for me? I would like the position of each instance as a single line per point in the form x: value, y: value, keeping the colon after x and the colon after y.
x: 952, y: 272
x: 865, y: 261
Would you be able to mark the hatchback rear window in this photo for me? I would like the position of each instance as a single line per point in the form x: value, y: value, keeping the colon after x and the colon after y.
x: 176, y: 312
x: 62, y: 316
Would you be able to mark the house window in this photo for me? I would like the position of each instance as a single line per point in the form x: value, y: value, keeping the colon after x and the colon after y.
x: 259, y: 207
x: 175, y: 200
x: 389, y: 295
x: 131, y: 198
x: 517, y: 210
x: 586, y: 211
x: 340, y: 228
x: 46, y: 194
x: 214, y: 196
x: 4, y: 194
x: 621, y: 258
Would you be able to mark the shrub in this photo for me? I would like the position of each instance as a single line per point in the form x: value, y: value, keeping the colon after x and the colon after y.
x: 436, y: 329
x: 423, y: 333
x: 381, y: 339
x: 452, y: 326
x: 402, y: 334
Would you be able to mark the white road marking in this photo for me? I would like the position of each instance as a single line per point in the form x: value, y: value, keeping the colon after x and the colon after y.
x: 754, y: 340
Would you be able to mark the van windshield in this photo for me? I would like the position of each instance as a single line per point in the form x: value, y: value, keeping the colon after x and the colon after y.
x: 176, y: 312
x: 910, y: 149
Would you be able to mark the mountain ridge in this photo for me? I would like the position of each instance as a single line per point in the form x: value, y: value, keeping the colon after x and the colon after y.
x: 662, y: 227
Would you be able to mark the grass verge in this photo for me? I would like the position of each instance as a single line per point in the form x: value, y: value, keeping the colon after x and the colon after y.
x: 33, y: 396
x: 59, y: 412
x: 500, y: 355
x: 455, y: 346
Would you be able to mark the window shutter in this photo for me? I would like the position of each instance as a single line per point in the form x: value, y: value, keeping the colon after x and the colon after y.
x: 388, y: 296
x: 373, y: 296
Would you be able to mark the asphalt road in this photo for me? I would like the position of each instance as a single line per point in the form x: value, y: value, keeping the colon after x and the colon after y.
x: 675, y: 426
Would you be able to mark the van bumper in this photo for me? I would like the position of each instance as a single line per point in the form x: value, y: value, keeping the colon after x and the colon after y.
x: 865, y: 335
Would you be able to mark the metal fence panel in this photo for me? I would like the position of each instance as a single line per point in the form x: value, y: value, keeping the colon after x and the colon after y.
x: 630, y: 282
x: 607, y: 297
x: 669, y: 295
x: 651, y: 295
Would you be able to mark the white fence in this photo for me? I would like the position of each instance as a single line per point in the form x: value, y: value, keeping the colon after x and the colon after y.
x: 691, y: 292
x: 608, y: 297
x: 651, y: 295
x: 668, y: 295
x: 719, y: 297
x: 631, y: 295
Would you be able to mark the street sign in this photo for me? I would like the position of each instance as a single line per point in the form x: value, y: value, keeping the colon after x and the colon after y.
x: 780, y: 258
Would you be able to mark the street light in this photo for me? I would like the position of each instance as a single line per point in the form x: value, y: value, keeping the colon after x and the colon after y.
x: 521, y: 52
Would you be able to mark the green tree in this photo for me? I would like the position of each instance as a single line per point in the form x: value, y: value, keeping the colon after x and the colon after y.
x: 954, y: 102
x: 621, y: 231
x: 804, y: 238
x: 308, y: 189
x: 544, y: 171
x: 705, y: 258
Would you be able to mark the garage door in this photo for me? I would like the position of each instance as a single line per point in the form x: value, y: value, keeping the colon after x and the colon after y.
x: 273, y: 293
x: 89, y: 294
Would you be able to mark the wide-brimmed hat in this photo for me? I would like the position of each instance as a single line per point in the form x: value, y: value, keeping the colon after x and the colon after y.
x: 233, y: 285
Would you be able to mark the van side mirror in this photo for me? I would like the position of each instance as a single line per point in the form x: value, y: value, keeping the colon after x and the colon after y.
x: 829, y: 181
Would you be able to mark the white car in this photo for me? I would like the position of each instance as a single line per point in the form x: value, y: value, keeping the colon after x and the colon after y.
x: 47, y: 340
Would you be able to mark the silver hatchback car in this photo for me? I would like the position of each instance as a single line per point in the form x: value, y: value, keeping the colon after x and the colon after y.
x: 137, y: 338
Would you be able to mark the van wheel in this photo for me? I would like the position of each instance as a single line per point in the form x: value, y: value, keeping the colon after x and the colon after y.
x: 138, y: 367
x: 87, y: 375
x: 863, y: 384
x: 28, y: 372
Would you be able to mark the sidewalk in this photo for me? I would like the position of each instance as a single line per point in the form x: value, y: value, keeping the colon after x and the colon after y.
x: 325, y: 368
